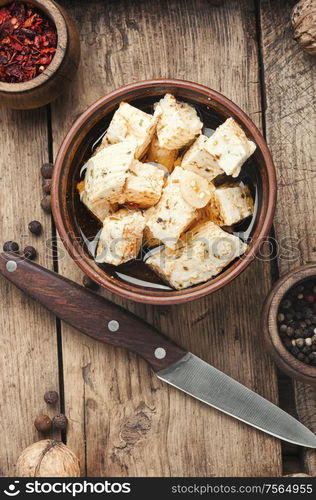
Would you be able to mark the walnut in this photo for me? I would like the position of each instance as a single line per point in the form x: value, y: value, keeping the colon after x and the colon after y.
x: 48, y: 458
x: 304, y: 25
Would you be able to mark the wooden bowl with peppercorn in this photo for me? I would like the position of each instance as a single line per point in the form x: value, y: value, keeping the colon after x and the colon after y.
x: 79, y: 228
x: 39, y: 52
x: 289, y: 323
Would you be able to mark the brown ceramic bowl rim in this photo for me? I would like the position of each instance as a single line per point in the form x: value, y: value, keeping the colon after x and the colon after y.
x: 174, y: 297
x: 52, y: 11
x: 269, y: 319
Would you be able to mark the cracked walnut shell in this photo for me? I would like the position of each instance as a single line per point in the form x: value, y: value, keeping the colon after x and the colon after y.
x: 47, y: 458
x: 304, y: 25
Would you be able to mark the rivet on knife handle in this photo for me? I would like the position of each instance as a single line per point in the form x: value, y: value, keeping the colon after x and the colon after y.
x: 89, y: 312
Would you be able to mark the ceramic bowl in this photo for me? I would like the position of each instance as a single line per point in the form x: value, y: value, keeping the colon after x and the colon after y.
x: 73, y: 221
x: 55, y: 79
x: 283, y: 358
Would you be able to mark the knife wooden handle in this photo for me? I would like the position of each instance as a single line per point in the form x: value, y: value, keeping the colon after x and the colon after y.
x: 88, y: 312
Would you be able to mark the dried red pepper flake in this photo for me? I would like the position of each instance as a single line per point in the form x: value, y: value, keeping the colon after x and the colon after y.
x: 28, y: 41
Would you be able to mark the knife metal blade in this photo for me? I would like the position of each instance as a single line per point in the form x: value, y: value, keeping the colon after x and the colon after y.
x: 204, y: 382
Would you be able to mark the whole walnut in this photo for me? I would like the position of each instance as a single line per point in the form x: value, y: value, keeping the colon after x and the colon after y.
x: 304, y: 25
x: 47, y: 458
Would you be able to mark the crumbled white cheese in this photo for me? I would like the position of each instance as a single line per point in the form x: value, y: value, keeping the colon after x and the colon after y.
x: 230, y: 147
x: 230, y: 204
x: 107, y: 172
x: 204, y: 253
x: 234, y: 203
x: 143, y: 185
x: 178, y: 123
x: 200, y: 161
x: 130, y: 122
x: 172, y: 215
x: 121, y: 237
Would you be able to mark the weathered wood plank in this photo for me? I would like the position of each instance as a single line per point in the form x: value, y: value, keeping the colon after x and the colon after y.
x: 290, y: 79
x: 28, y: 357
x: 123, y: 421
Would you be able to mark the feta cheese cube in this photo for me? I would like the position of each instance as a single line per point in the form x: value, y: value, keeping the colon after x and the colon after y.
x: 121, y: 237
x: 130, y: 122
x: 143, y: 185
x: 172, y: 215
x: 178, y: 123
x: 99, y: 208
x: 230, y: 204
x: 200, y: 161
x: 234, y: 203
x: 107, y: 172
x: 148, y: 238
x: 163, y: 156
x: 205, y: 251
x: 230, y: 147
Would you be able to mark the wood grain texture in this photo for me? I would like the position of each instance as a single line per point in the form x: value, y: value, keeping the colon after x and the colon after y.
x: 290, y: 79
x: 28, y: 357
x: 123, y: 421
x: 305, y: 396
x: 88, y: 312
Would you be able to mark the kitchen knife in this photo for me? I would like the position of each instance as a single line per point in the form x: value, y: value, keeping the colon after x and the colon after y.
x: 100, y: 319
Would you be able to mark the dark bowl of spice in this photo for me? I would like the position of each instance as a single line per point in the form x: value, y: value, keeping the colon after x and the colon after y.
x: 289, y: 323
x: 39, y: 52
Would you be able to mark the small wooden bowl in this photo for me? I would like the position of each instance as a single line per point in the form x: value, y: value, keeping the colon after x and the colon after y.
x: 56, y: 77
x: 74, y: 150
x: 283, y: 358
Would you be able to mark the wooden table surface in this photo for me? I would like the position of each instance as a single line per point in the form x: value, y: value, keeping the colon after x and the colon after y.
x: 122, y: 420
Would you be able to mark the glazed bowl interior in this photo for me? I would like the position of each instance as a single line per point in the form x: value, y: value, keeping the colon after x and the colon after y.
x: 76, y: 225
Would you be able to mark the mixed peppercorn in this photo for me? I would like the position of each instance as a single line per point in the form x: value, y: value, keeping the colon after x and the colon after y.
x: 44, y: 423
x: 35, y: 227
x: 28, y: 42
x: 297, y: 321
x: 29, y: 251
x: 47, y: 173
